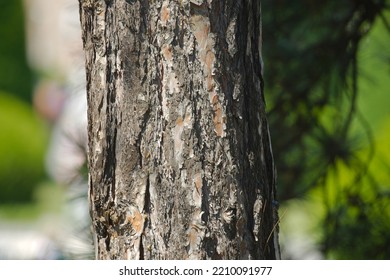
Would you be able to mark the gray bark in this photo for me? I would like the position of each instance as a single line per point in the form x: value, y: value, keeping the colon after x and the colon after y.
x: 180, y: 157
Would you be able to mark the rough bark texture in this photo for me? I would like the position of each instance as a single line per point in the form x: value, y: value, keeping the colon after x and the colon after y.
x: 179, y: 149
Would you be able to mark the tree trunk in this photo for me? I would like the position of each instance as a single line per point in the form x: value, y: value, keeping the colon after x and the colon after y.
x: 180, y: 157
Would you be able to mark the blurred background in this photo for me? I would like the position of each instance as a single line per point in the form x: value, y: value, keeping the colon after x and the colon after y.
x: 43, y: 189
x: 327, y: 82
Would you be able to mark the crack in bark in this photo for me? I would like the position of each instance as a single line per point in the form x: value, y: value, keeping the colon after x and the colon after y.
x: 146, y: 210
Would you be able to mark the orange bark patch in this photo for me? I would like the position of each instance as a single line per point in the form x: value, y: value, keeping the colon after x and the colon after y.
x: 167, y: 52
x: 214, y: 98
x: 137, y: 222
x: 186, y: 122
x: 193, y: 238
x: 198, y: 182
x: 201, y: 31
x: 209, y: 64
x: 209, y: 61
x: 218, y: 119
x: 164, y: 14
x: 179, y: 121
x: 209, y: 83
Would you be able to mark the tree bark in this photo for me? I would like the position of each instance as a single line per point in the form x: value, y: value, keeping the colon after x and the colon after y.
x: 180, y: 157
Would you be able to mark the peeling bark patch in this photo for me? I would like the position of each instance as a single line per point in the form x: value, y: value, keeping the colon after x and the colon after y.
x: 169, y: 82
x: 173, y: 83
x: 167, y: 52
x: 164, y: 15
x: 195, y: 235
x: 180, y: 139
x: 201, y: 27
x: 137, y: 221
x: 178, y: 142
x: 229, y: 219
x: 230, y: 38
x: 197, y: 2
x: 209, y: 63
x: 197, y: 193
x: 201, y: 30
x: 218, y: 119
x: 198, y: 182
x: 258, y: 212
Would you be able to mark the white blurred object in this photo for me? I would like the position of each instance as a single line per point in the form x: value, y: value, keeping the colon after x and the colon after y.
x: 53, y: 35
x: 25, y: 243
x: 67, y: 151
x: 297, y: 238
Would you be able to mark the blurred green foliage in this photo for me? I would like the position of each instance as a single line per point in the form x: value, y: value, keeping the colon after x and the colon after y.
x: 15, y: 75
x: 47, y: 198
x: 325, y: 65
x: 23, y: 140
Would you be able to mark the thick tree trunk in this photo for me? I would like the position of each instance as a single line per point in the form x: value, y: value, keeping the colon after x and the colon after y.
x: 179, y: 150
